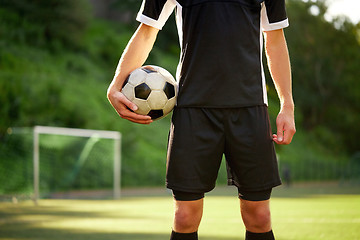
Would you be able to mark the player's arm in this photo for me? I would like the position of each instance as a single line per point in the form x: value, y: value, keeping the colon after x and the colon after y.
x: 279, y: 66
x: 134, y: 56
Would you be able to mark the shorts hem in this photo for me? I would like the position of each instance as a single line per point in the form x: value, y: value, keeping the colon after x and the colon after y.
x: 182, y: 189
x: 232, y: 106
x: 254, y: 188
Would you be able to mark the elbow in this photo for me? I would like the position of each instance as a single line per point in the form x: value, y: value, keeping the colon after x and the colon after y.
x: 149, y: 33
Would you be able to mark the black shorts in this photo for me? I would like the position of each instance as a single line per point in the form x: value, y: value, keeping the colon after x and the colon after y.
x: 200, y: 136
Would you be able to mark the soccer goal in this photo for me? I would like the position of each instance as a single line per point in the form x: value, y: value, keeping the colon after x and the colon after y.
x: 70, y: 159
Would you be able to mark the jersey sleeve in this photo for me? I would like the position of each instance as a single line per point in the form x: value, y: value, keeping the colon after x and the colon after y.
x: 273, y: 15
x: 155, y: 13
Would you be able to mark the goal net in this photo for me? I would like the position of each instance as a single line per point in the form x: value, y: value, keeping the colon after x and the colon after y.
x: 75, y: 162
x: 52, y: 162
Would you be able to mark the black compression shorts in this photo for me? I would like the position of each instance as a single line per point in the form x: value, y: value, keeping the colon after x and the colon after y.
x: 245, y: 195
x: 200, y: 136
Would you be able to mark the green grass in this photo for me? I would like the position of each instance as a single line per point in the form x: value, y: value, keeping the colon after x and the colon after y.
x: 301, y: 217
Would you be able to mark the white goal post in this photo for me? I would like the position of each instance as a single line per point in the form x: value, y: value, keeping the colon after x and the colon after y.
x: 116, y: 136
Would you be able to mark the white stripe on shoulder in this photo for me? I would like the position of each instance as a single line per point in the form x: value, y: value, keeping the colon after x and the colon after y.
x: 149, y: 21
x: 164, y: 15
x: 276, y: 26
x: 266, y: 26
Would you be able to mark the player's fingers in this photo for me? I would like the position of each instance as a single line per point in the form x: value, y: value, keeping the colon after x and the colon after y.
x: 122, y: 106
x: 275, y: 139
x: 131, y: 115
x: 285, y: 125
x: 127, y: 102
x: 125, y: 113
x: 280, y: 131
x: 289, y: 132
x: 138, y: 121
x: 119, y: 101
x: 286, y: 138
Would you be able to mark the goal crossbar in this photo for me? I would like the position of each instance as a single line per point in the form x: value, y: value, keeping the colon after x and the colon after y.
x: 116, y: 136
x: 77, y: 132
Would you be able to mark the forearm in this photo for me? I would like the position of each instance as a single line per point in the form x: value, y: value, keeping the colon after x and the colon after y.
x: 134, y: 56
x: 135, y: 53
x: 279, y: 66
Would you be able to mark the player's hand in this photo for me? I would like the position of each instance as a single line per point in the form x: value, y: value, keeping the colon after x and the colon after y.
x: 285, y: 124
x: 122, y: 106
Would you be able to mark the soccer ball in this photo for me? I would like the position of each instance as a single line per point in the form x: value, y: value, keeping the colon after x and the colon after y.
x: 153, y: 89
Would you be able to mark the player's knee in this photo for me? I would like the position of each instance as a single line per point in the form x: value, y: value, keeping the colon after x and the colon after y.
x: 257, y: 219
x: 187, y: 219
x: 262, y: 219
x: 259, y: 222
x: 183, y: 222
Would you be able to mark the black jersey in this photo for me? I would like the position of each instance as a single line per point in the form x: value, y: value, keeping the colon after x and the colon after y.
x: 221, y: 47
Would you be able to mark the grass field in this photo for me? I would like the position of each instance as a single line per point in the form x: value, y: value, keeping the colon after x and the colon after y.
x: 299, y: 213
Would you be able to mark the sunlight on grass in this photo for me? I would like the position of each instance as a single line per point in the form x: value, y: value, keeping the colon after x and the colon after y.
x: 329, y: 217
x: 323, y: 217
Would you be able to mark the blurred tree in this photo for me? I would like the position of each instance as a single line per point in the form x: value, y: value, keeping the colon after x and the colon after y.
x: 325, y: 61
x: 45, y: 21
x: 116, y: 10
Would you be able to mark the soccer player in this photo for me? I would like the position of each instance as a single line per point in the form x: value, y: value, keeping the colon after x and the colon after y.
x: 222, y: 103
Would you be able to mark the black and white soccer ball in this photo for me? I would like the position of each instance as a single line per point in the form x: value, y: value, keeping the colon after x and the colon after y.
x: 153, y: 89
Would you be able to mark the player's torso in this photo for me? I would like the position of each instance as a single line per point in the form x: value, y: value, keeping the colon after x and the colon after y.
x: 221, y: 59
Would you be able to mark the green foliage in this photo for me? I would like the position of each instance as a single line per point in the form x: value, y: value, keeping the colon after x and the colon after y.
x: 104, y: 42
x: 126, y: 5
x: 325, y: 59
x: 53, y: 22
x: 15, y: 167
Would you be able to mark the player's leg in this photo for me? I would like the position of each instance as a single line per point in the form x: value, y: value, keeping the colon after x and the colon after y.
x: 256, y: 215
x: 195, y: 149
x: 252, y: 167
x: 187, y: 217
x: 188, y: 211
x: 257, y: 219
x: 255, y: 212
